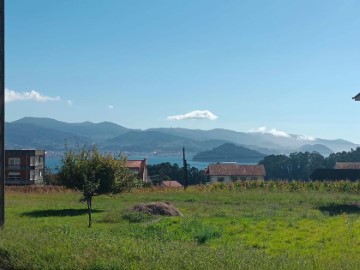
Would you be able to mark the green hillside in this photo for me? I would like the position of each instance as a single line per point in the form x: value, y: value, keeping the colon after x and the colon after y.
x: 229, y: 152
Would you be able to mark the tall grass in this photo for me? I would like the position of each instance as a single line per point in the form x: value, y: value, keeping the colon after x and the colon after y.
x: 252, y: 225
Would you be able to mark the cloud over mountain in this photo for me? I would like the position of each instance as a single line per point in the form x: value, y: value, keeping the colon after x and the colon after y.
x: 273, y: 131
x: 194, y: 115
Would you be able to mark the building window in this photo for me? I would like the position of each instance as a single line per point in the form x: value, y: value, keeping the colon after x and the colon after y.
x: 243, y: 178
x: 234, y: 178
x: 32, y: 175
x: 32, y: 161
x: 14, y: 162
x: 14, y: 175
x: 254, y: 178
x: 221, y: 179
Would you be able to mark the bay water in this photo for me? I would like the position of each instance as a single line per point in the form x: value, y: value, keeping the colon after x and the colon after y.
x: 53, y: 162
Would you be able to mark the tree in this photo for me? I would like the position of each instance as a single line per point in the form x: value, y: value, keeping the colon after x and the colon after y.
x: 296, y: 166
x: 276, y: 166
x: 50, y: 177
x: 168, y: 171
x: 351, y: 156
x: 94, y: 174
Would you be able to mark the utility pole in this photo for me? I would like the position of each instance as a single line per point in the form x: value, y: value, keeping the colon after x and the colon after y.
x: 185, y: 169
x: 2, y: 113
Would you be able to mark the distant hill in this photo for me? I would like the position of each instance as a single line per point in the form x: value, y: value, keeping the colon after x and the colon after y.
x: 322, y: 149
x: 338, y: 145
x: 229, y: 152
x: 50, y: 134
x: 151, y: 141
x: 22, y: 136
x: 94, y: 131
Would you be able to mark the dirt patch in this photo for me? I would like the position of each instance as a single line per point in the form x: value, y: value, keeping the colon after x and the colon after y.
x: 157, y: 208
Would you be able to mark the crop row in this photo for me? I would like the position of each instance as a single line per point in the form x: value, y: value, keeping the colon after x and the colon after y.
x: 351, y: 187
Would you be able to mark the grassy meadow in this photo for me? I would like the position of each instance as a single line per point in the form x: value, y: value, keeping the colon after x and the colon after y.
x: 221, y: 228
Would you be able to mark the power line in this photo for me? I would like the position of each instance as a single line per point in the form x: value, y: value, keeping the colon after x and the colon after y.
x: 185, y: 169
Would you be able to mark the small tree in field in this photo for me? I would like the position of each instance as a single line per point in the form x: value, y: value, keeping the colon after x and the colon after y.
x: 94, y: 174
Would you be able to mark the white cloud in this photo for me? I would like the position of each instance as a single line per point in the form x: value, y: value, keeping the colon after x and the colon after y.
x: 194, y: 115
x: 273, y: 131
x: 33, y: 95
x: 279, y: 133
x: 70, y: 102
x: 111, y: 107
x: 305, y: 138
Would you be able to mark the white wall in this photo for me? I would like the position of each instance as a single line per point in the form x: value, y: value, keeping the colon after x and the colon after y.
x: 227, y: 179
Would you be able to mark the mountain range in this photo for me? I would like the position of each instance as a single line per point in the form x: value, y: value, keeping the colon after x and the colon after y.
x: 53, y: 135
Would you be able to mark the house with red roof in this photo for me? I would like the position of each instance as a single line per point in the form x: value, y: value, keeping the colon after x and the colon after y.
x: 347, y: 166
x: 341, y: 171
x: 171, y: 184
x: 233, y: 172
x: 139, y: 167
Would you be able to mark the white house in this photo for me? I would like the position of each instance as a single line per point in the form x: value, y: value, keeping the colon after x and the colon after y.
x: 232, y: 172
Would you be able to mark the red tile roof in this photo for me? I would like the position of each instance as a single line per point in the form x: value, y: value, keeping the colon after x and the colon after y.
x: 236, y: 169
x: 347, y: 165
x: 135, y: 164
x: 171, y: 184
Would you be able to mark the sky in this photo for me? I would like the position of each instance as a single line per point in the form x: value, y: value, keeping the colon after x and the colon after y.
x: 283, y: 67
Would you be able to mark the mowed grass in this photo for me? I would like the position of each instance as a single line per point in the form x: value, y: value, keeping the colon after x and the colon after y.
x: 252, y: 229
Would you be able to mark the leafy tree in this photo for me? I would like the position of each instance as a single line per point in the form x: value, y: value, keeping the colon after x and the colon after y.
x: 276, y: 166
x: 168, y: 171
x: 351, y: 156
x: 296, y: 166
x: 301, y: 165
x: 50, y: 178
x: 316, y: 161
x: 196, y: 176
x: 94, y: 174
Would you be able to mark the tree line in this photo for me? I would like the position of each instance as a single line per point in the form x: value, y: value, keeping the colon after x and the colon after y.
x: 168, y: 171
x: 300, y: 165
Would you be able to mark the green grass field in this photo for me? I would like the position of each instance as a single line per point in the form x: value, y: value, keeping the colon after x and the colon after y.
x: 252, y: 229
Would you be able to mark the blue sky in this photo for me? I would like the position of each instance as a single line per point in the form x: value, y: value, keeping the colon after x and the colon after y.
x: 289, y: 66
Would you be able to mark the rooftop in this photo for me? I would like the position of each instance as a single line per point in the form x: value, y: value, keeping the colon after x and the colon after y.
x: 347, y: 165
x: 171, y: 183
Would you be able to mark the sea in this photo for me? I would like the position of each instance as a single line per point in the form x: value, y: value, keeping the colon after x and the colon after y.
x: 53, y: 162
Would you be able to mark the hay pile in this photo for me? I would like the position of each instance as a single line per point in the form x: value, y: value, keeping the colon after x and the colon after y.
x: 157, y: 208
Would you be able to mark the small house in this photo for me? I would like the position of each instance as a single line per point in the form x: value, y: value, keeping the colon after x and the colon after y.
x: 233, y: 172
x: 139, y: 167
x: 347, y: 165
x: 341, y: 171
